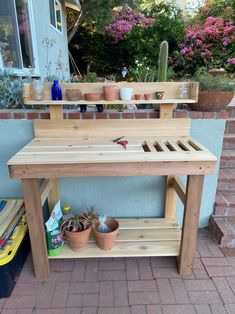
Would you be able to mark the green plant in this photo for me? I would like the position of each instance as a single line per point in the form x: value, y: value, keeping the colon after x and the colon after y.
x: 89, y: 77
x: 208, y: 82
x: 163, y: 61
x: 142, y: 72
x: 11, y: 93
x: 80, y: 222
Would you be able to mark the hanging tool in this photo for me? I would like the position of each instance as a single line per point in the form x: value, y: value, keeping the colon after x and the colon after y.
x: 123, y: 143
x: 118, y: 139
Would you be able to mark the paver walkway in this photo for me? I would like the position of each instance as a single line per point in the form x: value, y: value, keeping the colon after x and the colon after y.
x: 129, y: 286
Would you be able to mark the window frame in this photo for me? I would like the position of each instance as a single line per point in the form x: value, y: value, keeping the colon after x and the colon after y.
x: 55, y: 16
x: 24, y: 71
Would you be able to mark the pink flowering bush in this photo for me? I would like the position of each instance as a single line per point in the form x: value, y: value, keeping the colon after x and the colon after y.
x: 124, y: 21
x: 211, y: 44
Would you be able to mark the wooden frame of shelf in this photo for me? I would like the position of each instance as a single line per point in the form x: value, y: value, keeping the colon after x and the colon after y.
x: 85, y: 148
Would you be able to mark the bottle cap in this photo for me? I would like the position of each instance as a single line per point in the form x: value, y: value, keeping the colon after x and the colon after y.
x: 66, y: 207
x: 56, y: 81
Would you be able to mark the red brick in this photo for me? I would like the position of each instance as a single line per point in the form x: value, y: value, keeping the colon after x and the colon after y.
x: 91, y: 273
x: 202, y: 309
x: 90, y: 299
x: 84, y: 288
x: 140, y: 114
x: 87, y: 115
x: 120, y: 293
x: 209, y: 115
x: 5, y: 115
x: 154, y: 114
x: 78, y: 273
x: 178, y: 309
x: 106, y: 293
x: 65, y: 115
x: 112, y: 275
x: 145, y: 271
x: 30, y: 288
x: 20, y: 302
x: 215, y: 261
x: 59, y: 299
x: 115, y: 115
x: 132, y: 270
x: 142, y: 285
x: 128, y: 115
x: 218, y: 309
x: 154, y: 309
x: 179, y: 291
x: 143, y: 298
x: 138, y: 309
x: 181, y: 114
x: 32, y: 115
x: 44, y: 115
x: 75, y: 310
x: 195, y: 114
x: 19, y: 115
x: 112, y: 265
x: 101, y: 115
x: 199, y: 285
x: 46, y: 295
x: 74, y: 115
x: 48, y: 311
x: 224, y: 289
x: 61, y: 265
x: 60, y: 276
x: 111, y: 310
x: 89, y: 310
x: 220, y: 271
x: 74, y: 300
x: 200, y: 274
x: 205, y: 297
x: 222, y: 114
x: 165, y: 291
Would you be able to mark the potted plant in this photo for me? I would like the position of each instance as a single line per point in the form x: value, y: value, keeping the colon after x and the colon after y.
x: 215, y: 92
x: 77, y: 229
x: 105, y: 231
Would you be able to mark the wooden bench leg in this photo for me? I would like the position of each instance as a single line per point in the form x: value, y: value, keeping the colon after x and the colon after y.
x: 32, y: 199
x: 190, y: 223
x: 170, y: 199
x: 53, y: 196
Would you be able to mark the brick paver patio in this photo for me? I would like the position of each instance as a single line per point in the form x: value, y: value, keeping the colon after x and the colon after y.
x: 129, y: 286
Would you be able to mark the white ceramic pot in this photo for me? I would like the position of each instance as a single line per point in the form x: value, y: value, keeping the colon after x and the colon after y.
x: 126, y: 93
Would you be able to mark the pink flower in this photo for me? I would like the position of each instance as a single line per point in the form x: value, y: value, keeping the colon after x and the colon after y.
x: 231, y: 60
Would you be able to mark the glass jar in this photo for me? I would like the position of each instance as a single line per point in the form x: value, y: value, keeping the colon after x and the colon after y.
x: 37, y: 90
x: 183, y: 91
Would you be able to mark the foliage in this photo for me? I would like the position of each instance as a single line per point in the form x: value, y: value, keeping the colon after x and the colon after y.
x: 142, y: 72
x: 208, y: 82
x: 163, y: 62
x: 11, y: 94
x: 210, y: 45
x: 89, y: 77
x: 80, y: 222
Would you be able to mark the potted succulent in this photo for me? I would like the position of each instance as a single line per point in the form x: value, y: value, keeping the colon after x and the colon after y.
x: 77, y: 229
x: 215, y: 92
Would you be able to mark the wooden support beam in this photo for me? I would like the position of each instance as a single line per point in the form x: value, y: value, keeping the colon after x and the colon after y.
x: 170, y: 199
x: 45, y: 189
x: 180, y: 189
x: 53, y: 196
x: 32, y: 199
x: 166, y: 111
x: 190, y: 224
x: 56, y: 112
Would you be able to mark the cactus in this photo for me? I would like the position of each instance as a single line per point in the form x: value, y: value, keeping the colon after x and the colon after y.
x: 162, y: 62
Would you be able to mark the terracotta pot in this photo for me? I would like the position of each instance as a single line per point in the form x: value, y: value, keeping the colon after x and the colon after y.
x: 92, y: 96
x: 110, y: 92
x: 78, y: 240
x: 212, y: 101
x: 217, y: 72
x: 137, y: 96
x: 106, y: 241
x: 73, y: 94
x: 147, y: 96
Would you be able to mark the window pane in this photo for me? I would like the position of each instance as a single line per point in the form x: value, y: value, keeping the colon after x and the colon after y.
x: 52, y: 12
x: 9, y: 41
x: 25, y: 33
x: 58, y: 16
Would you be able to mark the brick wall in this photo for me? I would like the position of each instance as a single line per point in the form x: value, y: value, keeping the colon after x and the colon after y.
x: 110, y: 114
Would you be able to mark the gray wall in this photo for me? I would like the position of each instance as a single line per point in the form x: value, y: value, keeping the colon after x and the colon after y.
x: 43, y: 29
x: 115, y: 196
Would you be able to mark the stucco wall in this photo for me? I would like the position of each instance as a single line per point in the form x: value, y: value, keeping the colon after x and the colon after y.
x: 120, y: 196
x: 43, y: 29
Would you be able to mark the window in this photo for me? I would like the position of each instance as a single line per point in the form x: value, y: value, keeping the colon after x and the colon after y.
x: 56, y: 14
x: 16, y: 48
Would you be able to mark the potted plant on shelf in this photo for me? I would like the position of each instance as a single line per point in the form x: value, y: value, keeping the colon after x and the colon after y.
x: 215, y: 92
x: 77, y: 229
x: 105, y: 231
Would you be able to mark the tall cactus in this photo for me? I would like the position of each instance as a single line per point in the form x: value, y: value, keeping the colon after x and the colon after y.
x: 163, y: 61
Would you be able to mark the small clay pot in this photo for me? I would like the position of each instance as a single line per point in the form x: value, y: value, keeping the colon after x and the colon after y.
x: 147, y: 96
x: 110, y: 92
x: 106, y: 241
x: 137, y: 96
x: 78, y: 240
x: 159, y: 95
x: 92, y: 96
x: 73, y: 94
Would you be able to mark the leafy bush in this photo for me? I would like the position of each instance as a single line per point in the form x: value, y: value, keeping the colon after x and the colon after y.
x: 11, y: 94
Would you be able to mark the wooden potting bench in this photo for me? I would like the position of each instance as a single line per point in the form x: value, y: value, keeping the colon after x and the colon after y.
x: 157, y: 147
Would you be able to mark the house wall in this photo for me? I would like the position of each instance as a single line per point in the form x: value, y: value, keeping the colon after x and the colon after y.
x: 43, y: 29
x: 115, y: 196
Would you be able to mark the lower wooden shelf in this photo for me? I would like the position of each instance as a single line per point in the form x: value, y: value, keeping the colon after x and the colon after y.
x: 137, y: 237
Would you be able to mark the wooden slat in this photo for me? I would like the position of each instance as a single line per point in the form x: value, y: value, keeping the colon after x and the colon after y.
x: 147, y: 223
x: 54, y: 195
x: 150, y: 146
x: 180, y: 189
x: 45, y: 189
x: 163, y: 147
x: 124, y: 249
x: 185, y: 145
x: 166, y: 111
x: 56, y: 112
x: 174, y: 145
x: 197, y: 145
x: 111, y: 128
x: 170, y: 199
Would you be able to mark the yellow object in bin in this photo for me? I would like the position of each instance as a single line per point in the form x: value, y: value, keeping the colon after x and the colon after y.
x: 10, y: 250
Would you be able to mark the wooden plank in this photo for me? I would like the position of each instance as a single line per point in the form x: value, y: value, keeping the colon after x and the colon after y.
x: 174, y: 145
x: 190, y: 224
x: 111, y: 169
x: 56, y: 112
x: 45, y: 190
x: 32, y: 199
x: 184, y: 144
x: 147, y: 223
x: 111, y: 128
x: 162, y: 145
x: 54, y: 195
x: 150, y: 146
x: 124, y: 249
x: 197, y: 146
x: 166, y: 111
x: 180, y: 189
x: 193, y: 90
x: 170, y: 198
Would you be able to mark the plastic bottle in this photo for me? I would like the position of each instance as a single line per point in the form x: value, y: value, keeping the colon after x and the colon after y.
x: 66, y: 212
x: 56, y: 91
